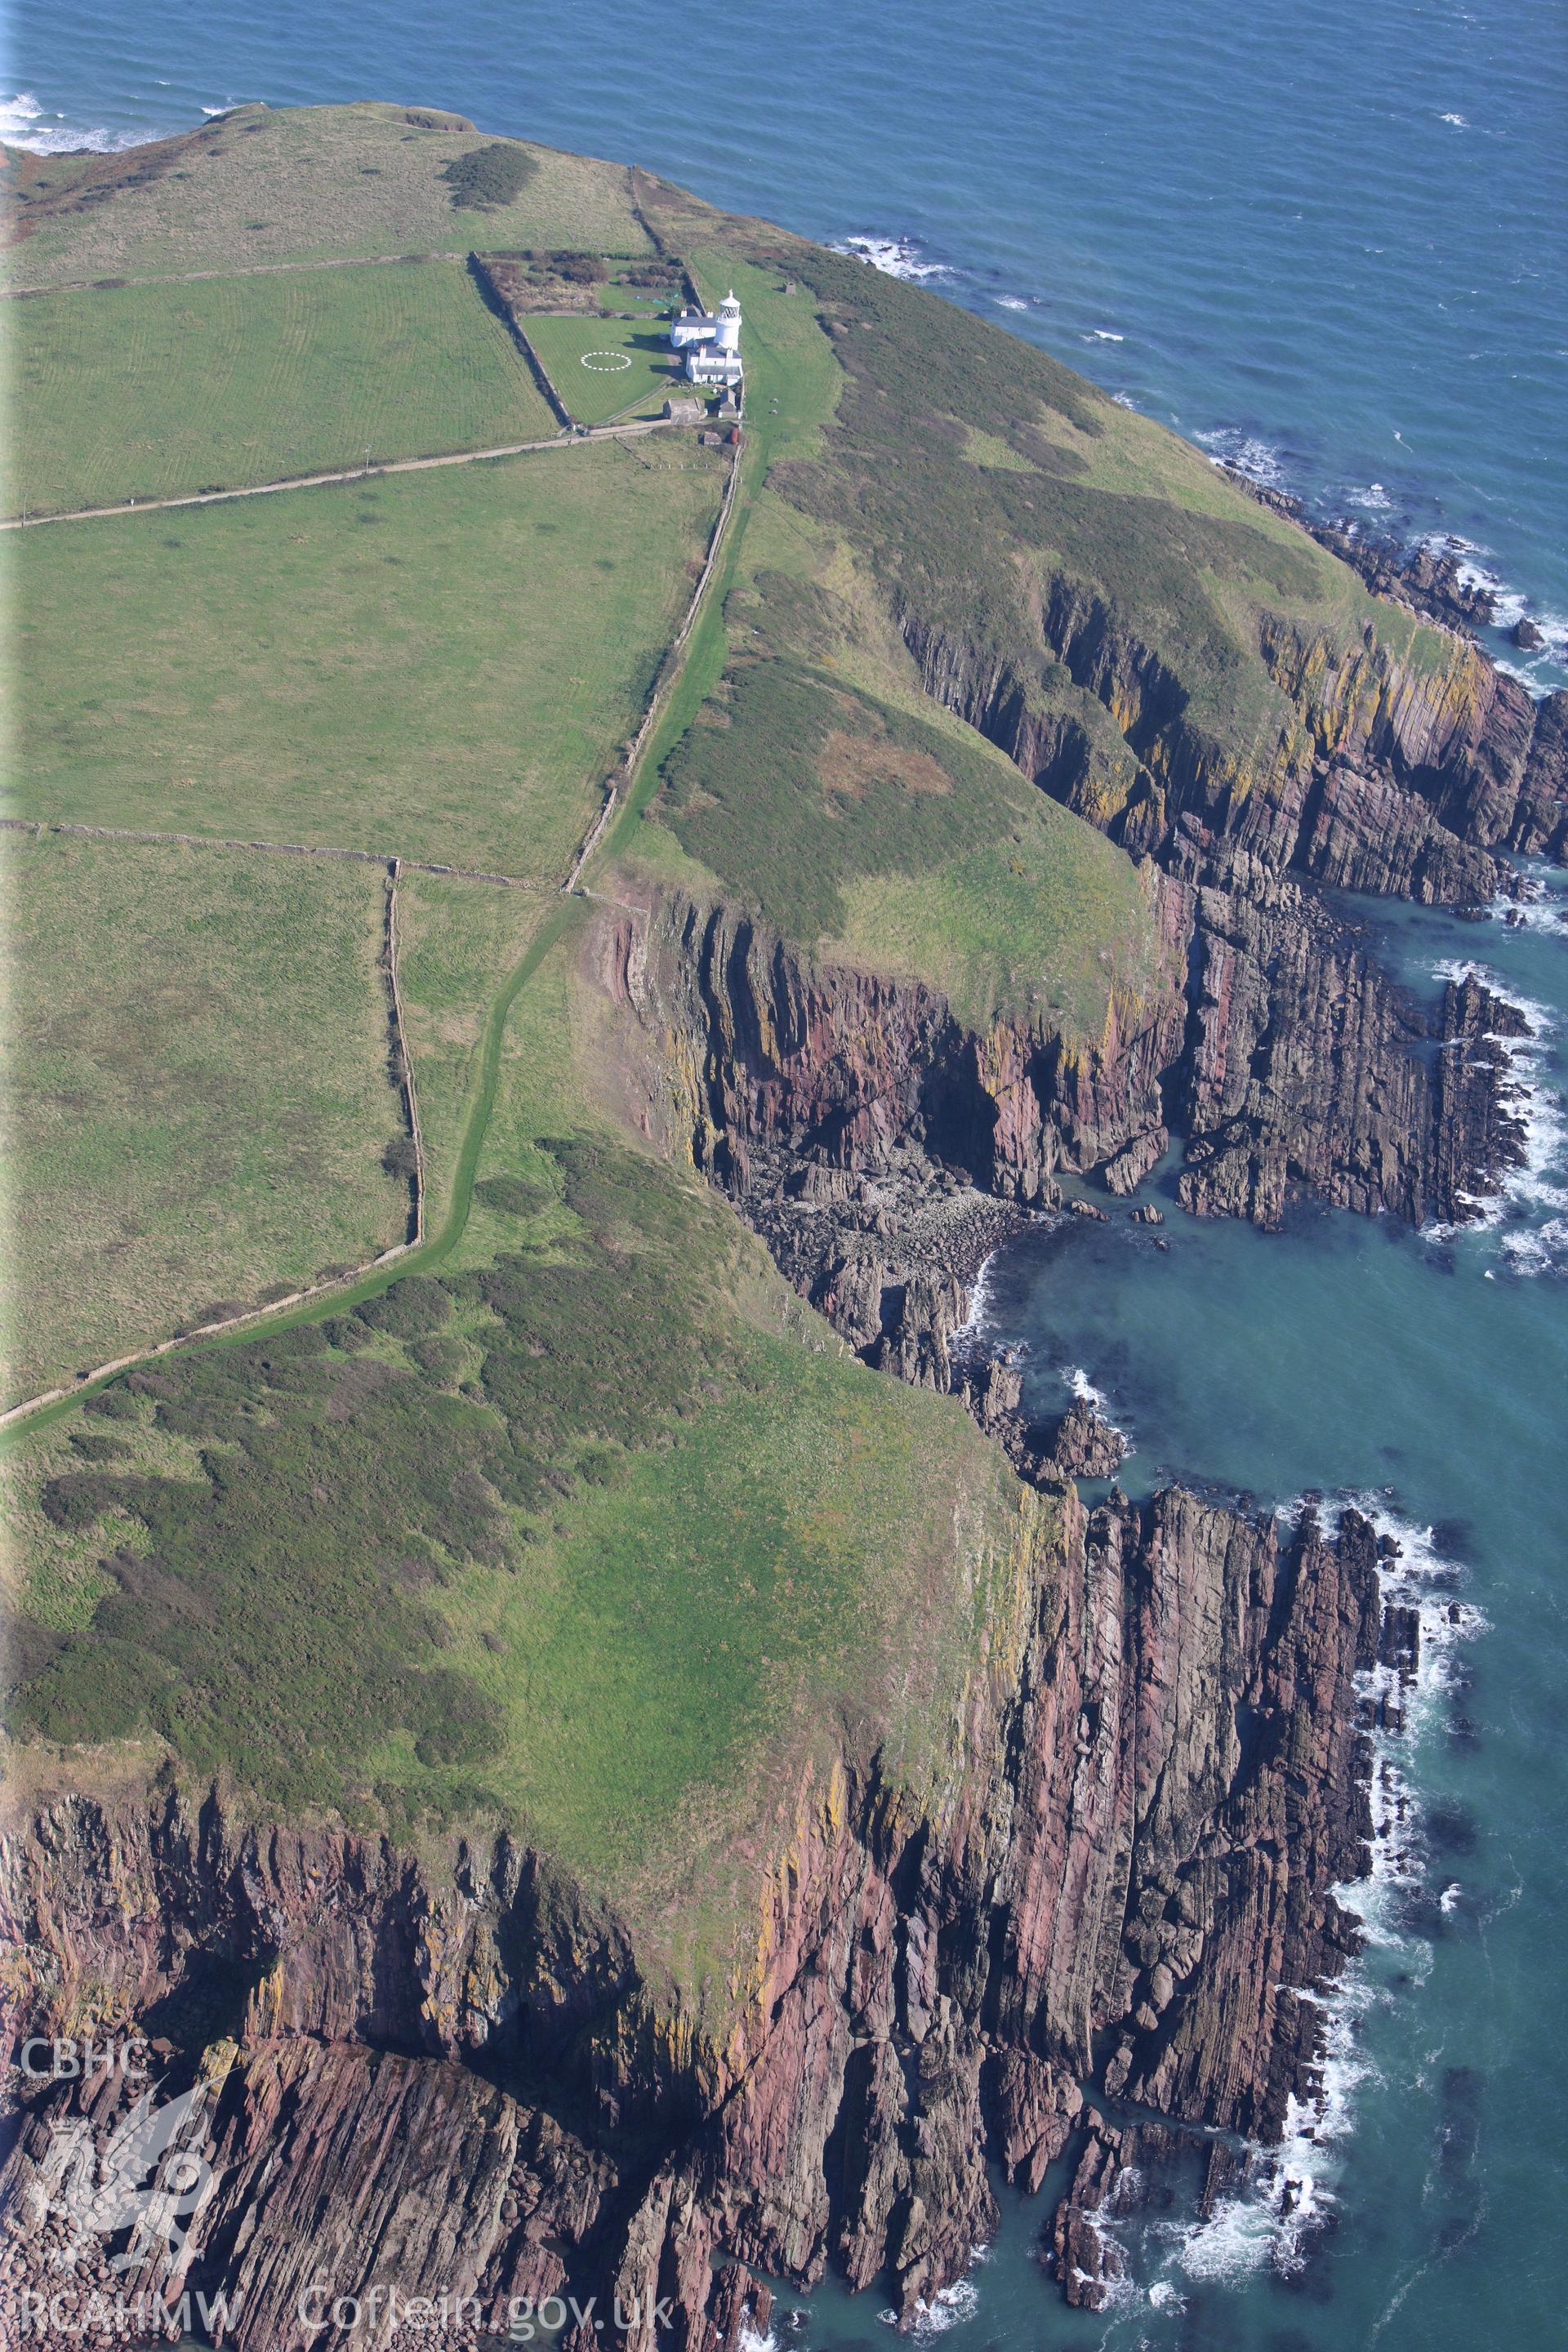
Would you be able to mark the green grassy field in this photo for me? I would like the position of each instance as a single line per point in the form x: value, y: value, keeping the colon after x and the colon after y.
x: 288, y: 183
x: 198, y: 1089
x: 604, y: 387
x: 457, y: 940
x: 815, y: 781
x: 439, y: 665
x: 968, y: 475
x: 150, y: 391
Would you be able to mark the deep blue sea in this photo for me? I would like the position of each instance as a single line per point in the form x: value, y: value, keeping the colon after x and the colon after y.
x: 1329, y: 243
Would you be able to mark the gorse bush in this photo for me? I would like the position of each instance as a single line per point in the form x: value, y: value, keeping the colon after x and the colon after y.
x: 487, y: 177
x: 955, y: 544
x: 513, y: 1196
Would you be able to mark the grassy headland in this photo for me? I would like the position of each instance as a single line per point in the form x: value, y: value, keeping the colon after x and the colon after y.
x: 592, y: 1531
x: 1008, y: 537
x: 264, y: 186
x: 585, y: 1523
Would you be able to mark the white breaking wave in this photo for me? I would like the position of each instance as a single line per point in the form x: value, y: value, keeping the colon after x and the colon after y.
x: 1457, y: 119
x: 1291, y: 2191
x: 1012, y: 302
x: 1543, y: 1250
x: 1228, y: 445
x: 1533, y: 1103
x: 1372, y: 500
x: 24, y: 123
x: 971, y: 1336
x: 896, y: 257
x: 1084, y: 1389
x: 1510, y: 606
x: 1544, y: 912
x: 1103, y: 335
x: 947, y: 2307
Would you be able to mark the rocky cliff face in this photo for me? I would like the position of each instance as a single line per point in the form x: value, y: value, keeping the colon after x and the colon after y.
x: 440, y: 2071
x: 1307, y: 1071
x: 1301, y: 1069
x: 1285, y: 1056
x: 846, y: 1069
x: 443, y: 2073
x: 1377, y: 777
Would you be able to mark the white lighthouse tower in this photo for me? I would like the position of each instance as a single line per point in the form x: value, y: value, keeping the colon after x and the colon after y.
x: 710, y: 341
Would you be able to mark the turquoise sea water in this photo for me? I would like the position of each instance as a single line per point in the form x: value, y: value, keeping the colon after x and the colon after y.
x: 1331, y: 242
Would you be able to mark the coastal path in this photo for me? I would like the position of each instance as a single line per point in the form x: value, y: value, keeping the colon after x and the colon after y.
x: 574, y: 440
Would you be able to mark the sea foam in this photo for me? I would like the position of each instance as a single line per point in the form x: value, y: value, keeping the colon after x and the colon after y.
x: 24, y: 123
x: 1084, y: 1391
x: 973, y: 1336
x: 1290, y: 2191
x: 947, y: 2307
x: 1533, y: 1103
x: 895, y: 256
x: 1245, y: 453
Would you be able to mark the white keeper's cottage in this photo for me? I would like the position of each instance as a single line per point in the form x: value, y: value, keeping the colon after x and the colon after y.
x: 711, y: 342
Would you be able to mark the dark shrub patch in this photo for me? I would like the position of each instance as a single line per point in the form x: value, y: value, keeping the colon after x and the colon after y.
x: 94, y: 1448
x: 87, y: 1694
x: 576, y: 268
x: 415, y: 1305
x: 276, y: 1626
x: 454, y: 1722
x: 489, y: 177
x: 345, y: 1332
x: 513, y: 1196
x: 262, y: 1632
x: 811, y: 785
x: 114, y: 1404
x: 26, y: 1648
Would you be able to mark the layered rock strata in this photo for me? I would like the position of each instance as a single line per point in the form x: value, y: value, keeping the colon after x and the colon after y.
x: 841, y: 1109
x: 1383, y: 777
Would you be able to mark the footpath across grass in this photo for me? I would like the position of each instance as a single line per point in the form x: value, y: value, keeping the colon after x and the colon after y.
x: 152, y: 390
x: 444, y: 665
x: 198, y: 1090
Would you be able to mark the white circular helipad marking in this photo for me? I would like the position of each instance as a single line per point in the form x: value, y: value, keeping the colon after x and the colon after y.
x: 606, y: 362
